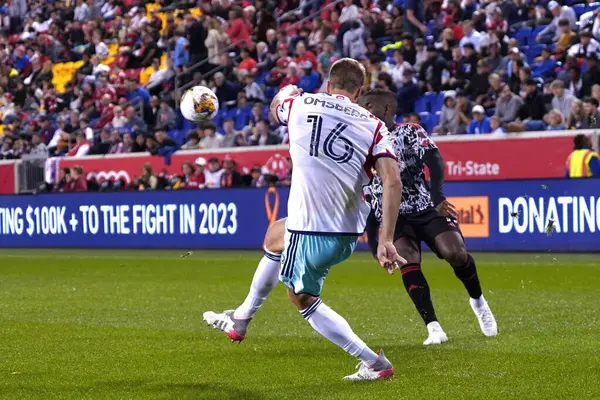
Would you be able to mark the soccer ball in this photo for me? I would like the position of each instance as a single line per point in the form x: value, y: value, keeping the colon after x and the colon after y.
x: 199, y: 104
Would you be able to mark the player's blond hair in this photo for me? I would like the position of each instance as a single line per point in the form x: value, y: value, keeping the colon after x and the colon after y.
x: 347, y: 74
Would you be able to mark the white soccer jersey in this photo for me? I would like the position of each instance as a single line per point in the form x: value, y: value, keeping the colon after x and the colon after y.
x: 333, y: 145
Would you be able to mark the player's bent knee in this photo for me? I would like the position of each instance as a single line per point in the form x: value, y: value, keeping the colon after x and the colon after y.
x: 302, y: 300
x: 456, y: 256
x: 274, y: 237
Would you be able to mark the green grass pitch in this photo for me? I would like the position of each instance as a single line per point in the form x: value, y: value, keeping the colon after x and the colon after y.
x: 128, y: 325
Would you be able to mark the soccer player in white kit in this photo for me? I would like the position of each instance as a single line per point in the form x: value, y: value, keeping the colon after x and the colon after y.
x: 334, y: 143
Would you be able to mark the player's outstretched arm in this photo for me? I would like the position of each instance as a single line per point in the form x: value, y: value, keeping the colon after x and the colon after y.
x: 387, y: 168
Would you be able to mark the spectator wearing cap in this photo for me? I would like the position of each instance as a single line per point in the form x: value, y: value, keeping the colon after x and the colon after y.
x: 408, y: 93
x: 193, y: 142
x: 514, y: 63
x: 552, y: 32
x: 508, y: 105
x: 561, y: 99
x: 470, y: 35
x: 310, y: 79
x: 430, y: 74
x: 586, y: 46
x: 591, y: 114
x: 544, y: 65
x: 229, y: 133
x: 408, y: 49
x: 480, y: 123
x: 199, y: 172
x: 591, y: 76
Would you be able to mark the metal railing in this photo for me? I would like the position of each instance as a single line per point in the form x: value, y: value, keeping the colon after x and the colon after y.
x: 31, y: 172
x: 193, y: 68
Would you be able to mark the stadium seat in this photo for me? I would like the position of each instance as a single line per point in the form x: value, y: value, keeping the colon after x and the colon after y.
x: 579, y: 9
x: 523, y: 35
x: 422, y: 104
x: 426, y: 121
x: 435, y: 119
x: 437, y: 101
x: 592, y: 7
x: 535, y: 32
x: 533, y: 52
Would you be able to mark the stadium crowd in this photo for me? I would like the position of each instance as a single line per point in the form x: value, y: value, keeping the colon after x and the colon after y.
x: 101, y: 76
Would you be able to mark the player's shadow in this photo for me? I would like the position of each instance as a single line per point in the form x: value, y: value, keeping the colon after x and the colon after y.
x: 204, y: 391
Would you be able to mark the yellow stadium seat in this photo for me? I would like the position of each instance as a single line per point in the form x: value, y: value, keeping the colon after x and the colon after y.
x: 145, y: 75
x: 113, y: 49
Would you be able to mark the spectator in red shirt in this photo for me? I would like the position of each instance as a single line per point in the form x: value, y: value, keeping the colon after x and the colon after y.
x: 77, y: 182
x: 305, y: 55
x: 238, y: 29
x: 106, y: 112
x: 247, y: 63
x: 190, y: 179
x: 292, y: 76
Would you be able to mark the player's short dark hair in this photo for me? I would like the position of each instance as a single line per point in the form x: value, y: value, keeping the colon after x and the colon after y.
x: 591, y: 100
x: 379, y: 95
x: 347, y: 74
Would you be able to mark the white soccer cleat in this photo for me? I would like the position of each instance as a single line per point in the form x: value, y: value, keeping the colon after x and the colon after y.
x: 234, y: 329
x: 436, y: 334
x: 381, y: 369
x: 484, y: 315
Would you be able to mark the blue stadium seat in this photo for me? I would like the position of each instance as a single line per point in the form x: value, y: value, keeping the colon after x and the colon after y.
x: 262, y: 77
x: 188, y: 125
x: 422, y: 104
x: 535, y: 32
x: 592, y: 7
x: 265, y: 114
x: 523, y: 35
x: 426, y: 121
x: 435, y: 119
x: 437, y: 102
x: 533, y: 52
x: 490, y: 111
x: 579, y: 9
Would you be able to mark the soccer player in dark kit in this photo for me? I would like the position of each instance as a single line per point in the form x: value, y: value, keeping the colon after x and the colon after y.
x: 425, y: 216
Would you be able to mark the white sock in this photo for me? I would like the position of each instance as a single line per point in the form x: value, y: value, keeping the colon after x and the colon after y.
x: 264, y: 280
x: 477, y: 303
x: 335, y: 328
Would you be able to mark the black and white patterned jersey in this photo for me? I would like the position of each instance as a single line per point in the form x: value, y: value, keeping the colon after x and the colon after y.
x: 411, y: 142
